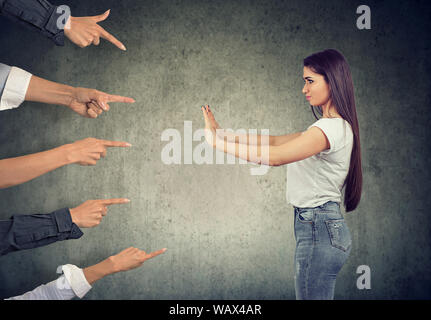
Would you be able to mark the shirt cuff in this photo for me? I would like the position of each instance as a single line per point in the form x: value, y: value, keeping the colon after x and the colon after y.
x: 15, y: 88
x: 76, y: 279
x: 64, y: 223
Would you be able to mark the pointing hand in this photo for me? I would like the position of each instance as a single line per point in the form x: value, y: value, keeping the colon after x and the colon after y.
x: 90, y: 213
x: 90, y: 103
x: 88, y: 151
x: 84, y: 31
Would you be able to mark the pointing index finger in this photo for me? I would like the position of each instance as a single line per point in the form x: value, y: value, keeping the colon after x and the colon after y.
x: 154, y: 253
x: 106, y: 35
x: 115, y: 98
x: 109, y: 143
x: 108, y: 202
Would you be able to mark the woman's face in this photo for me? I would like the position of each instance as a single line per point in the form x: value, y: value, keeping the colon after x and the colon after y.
x: 316, y: 89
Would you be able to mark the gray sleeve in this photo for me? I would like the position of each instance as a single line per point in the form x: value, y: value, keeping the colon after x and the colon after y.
x: 4, y: 73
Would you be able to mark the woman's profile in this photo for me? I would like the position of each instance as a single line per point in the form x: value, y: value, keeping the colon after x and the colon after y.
x: 321, y: 162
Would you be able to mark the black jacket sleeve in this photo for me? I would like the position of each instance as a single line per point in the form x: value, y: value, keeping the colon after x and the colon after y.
x: 36, y: 14
x: 31, y: 231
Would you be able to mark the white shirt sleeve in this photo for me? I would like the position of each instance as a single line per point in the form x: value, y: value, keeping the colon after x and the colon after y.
x: 69, y: 285
x: 15, y: 88
x: 333, y: 130
x: 4, y: 73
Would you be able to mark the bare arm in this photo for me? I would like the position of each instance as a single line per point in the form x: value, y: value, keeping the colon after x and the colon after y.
x: 279, y: 140
x: 45, y: 91
x: 86, y: 152
x: 257, y: 139
x: 249, y: 139
x: 99, y: 270
x: 88, y: 103
x: 294, y: 148
x: 17, y: 170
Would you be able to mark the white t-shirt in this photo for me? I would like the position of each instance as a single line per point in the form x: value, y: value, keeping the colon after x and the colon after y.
x: 319, y: 178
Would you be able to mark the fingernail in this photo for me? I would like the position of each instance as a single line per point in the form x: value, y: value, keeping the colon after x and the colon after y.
x: 164, y: 249
x: 128, y: 144
x: 127, y: 200
x: 123, y: 47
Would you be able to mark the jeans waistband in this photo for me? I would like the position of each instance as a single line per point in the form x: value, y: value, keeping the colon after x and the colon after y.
x: 327, y: 205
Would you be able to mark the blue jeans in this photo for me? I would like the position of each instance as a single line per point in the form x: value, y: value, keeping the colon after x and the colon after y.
x: 323, y: 243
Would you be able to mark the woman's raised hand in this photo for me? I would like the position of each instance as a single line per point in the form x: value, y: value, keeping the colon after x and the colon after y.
x: 211, y: 126
x: 211, y: 119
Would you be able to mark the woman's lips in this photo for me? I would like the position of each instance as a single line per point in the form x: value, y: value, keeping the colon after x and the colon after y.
x: 308, y: 98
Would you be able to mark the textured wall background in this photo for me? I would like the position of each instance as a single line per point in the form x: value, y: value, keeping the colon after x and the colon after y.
x: 229, y: 234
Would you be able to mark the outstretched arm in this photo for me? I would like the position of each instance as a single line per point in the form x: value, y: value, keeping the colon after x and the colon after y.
x: 295, y: 149
x: 249, y: 139
x: 76, y: 282
x: 88, y: 103
x: 55, y: 22
x: 17, y: 85
x: 86, y: 152
x: 22, y: 232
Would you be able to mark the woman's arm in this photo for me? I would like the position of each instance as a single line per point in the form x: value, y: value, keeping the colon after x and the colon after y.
x: 279, y: 140
x: 258, y: 139
x: 302, y: 147
x: 294, y: 149
x: 249, y: 139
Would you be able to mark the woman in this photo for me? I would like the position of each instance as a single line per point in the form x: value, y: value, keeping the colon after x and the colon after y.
x: 321, y: 161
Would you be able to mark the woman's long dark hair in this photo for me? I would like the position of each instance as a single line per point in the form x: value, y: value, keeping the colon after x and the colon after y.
x: 332, y: 65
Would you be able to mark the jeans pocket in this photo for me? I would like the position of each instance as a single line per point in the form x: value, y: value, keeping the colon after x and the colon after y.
x: 339, y: 234
x: 305, y: 216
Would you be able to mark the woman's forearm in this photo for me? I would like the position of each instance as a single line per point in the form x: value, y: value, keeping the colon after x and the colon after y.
x: 18, y: 170
x: 259, y: 154
x: 257, y: 139
x: 45, y: 91
x: 242, y: 138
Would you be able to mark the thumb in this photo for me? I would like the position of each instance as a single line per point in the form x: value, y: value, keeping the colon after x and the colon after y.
x: 103, y: 16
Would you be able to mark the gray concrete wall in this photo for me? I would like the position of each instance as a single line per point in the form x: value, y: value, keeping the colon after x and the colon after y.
x: 229, y: 234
